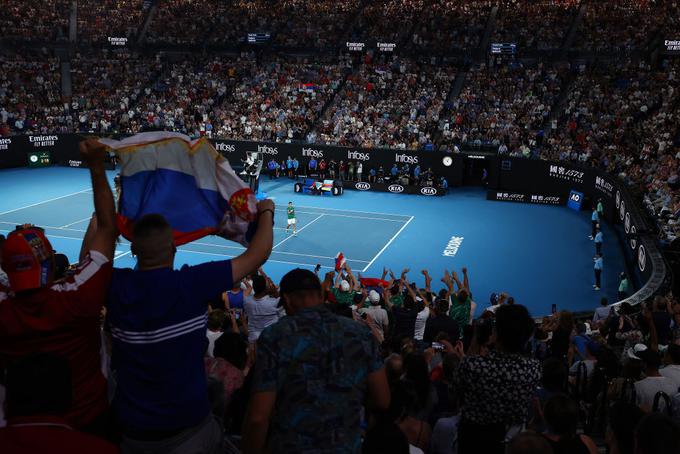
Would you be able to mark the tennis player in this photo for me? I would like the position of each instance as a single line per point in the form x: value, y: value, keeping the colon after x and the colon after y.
x: 291, y: 218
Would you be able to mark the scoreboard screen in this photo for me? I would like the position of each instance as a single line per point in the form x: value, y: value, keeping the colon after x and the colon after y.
x: 503, y: 48
x: 39, y: 159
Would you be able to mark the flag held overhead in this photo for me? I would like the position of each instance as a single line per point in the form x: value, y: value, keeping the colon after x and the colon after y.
x: 188, y: 182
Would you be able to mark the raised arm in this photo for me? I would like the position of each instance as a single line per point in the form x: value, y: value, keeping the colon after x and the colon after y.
x: 466, y: 281
x: 354, y: 284
x: 428, y: 280
x: 327, y: 283
x: 102, y: 232
x: 454, y: 276
x: 261, y: 245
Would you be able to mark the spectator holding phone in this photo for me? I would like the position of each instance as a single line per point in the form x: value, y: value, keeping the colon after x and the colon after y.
x: 262, y: 307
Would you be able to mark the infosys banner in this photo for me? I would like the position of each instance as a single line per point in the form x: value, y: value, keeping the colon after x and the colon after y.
x: 525, y: 180
x: 394, y: 188
x: 63, y: 149
x: 450, y: 168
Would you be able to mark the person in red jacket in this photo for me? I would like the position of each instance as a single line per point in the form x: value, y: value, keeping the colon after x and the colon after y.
x: 39, y: 392
x: 39, y: 314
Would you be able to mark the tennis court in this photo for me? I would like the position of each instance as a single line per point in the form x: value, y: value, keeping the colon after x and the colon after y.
x: 539, y: 254
x: 65, y: 219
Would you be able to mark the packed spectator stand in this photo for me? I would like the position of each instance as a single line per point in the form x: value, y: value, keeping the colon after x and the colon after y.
x: 607, y: 100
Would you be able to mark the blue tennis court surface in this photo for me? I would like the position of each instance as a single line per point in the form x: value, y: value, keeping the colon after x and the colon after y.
x: 539, y: 254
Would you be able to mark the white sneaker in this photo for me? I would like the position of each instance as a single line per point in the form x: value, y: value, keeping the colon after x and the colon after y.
x: 590, y: 237
x: 595, y: 287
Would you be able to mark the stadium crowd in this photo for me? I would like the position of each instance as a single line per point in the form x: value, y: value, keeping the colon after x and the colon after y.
x: 507, y: 107
x: 535, y: 25
x: 387, y: 104
x: 218, y: 358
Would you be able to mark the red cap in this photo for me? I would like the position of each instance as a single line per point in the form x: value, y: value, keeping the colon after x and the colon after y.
x: 28, y: 259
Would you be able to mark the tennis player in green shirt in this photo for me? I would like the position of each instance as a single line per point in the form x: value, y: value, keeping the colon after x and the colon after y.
x: 291, y: 218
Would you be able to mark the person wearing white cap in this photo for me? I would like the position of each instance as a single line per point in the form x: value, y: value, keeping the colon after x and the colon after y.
x: 377, y: 313
x: 343, y: 290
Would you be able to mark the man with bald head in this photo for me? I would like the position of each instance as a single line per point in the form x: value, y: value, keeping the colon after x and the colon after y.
x: 157, y: 317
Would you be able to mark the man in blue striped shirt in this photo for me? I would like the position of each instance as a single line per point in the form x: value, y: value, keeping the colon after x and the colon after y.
x: 157, y: 318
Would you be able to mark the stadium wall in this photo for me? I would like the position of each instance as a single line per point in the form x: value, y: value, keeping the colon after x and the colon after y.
x: 546, y: 182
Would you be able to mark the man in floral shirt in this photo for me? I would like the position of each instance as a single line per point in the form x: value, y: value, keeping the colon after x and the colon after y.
x: 496, y: 389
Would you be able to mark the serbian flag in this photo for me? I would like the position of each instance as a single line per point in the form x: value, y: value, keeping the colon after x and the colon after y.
x: 188, y: 182
x: 339, y: 261
x: 373, y: 282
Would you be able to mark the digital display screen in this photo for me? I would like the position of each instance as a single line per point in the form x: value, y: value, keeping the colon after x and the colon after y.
x: 503, y: 48
x: 258, y: 38
x: 39, y: 159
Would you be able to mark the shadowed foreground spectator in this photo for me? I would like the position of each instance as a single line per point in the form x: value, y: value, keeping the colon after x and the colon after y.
x: 313, y: 372
x: 39, y: 393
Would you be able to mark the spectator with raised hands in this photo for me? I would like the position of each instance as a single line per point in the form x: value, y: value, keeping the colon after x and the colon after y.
x: 68, y: 311
x: 497, y: 388
x: 157, y: 318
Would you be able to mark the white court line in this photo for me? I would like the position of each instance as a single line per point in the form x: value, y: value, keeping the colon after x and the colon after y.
x: 301, y: 229
x: 51, y: 236
x: 241, y: 248
x: 72, y: 223
x: 347, y: 216
x: 355, y: 211
x: 268, y: 261
x: 388, y: 243
x: 45, y: 201
x: 47, y: 227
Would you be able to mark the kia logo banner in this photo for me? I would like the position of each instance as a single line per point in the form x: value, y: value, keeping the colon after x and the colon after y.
x: 393, y: 188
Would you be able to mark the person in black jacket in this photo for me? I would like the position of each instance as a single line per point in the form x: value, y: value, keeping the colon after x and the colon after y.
x: 441, y: 323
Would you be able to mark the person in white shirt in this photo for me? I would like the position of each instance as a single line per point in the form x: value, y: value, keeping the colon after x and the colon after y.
x: 215, y: 321
x: 647, y: 388
x: 377, y: 313
x: 421, y: 320
x: 261, y: 308
x: 672, y: 370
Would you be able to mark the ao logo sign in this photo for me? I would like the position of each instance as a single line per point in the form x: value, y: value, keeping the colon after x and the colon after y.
x: 633, y: 240
x: 428, y: 191
x: 642, y: 258
x: 396, y: 188
x: 362, y: 186
x: 575, y: 197
x: 622, y: 210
